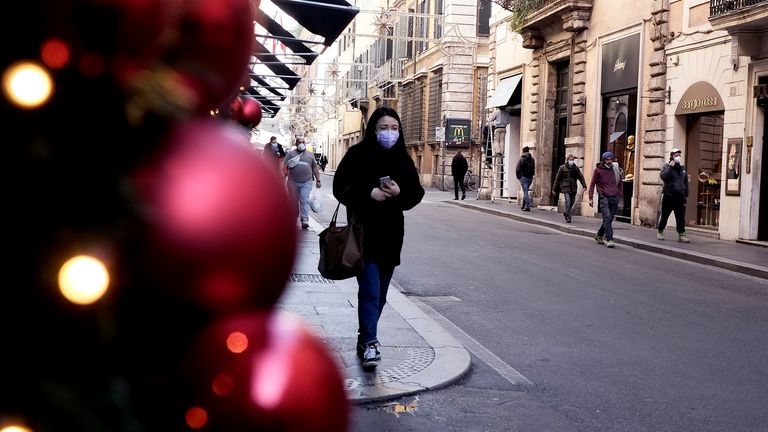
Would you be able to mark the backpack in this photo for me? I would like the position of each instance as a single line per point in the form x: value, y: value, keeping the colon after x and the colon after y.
x: 528, y: 168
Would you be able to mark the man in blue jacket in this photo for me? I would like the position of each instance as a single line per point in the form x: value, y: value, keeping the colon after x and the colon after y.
x: 675, y: 195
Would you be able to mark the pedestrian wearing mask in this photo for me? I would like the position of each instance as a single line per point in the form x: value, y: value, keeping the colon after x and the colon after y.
x: 607, y: 177
x: 565, y: 182
x: 273, y: 150
x: 300, y: 168
x: 674, y: 195
x: 377, y: 181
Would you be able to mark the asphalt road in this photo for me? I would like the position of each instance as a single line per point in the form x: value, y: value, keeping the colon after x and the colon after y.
x: 611, y: 339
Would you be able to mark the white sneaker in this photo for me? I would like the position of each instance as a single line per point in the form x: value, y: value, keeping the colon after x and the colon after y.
x: 371, y: 356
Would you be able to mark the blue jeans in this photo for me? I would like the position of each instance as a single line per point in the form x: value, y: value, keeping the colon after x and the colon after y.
x: 609, y: 205
x: 373, y: 284
x: 525, y: 182
x: 300, y: 191
x: 570, y: 198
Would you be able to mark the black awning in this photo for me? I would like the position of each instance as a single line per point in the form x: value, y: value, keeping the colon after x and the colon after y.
x: 327, y: 18
x: 271, y: 71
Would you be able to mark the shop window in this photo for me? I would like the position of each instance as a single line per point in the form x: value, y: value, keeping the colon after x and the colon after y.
x: 704, y: 163
x: 619, y: 123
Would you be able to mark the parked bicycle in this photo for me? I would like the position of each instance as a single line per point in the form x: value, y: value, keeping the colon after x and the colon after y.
x: 470, y: 181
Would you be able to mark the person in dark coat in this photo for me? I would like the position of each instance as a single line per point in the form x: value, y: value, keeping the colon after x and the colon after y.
x: 565, y: 182
x: 675, y: 195
x: 377, y: 180
x: 525, y: 170
x: 459, y: 168
x: 274, y: 151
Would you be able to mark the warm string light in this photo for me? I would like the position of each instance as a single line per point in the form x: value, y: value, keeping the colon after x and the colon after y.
x: 83, y: 279
x: 27, y: 84
x: 15, y: 428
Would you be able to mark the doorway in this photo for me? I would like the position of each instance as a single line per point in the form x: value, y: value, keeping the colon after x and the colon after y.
x: 561, y: 120
x: 762, y: 212
x: 704, y: 159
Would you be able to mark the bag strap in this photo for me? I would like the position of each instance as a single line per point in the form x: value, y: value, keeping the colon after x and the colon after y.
x: 335, y: 214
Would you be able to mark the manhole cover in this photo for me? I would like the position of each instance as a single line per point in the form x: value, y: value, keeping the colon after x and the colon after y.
x: 308, y: 278
x: 417, y: 360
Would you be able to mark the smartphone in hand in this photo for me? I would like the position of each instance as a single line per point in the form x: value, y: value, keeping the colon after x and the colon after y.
x: 384, y: 182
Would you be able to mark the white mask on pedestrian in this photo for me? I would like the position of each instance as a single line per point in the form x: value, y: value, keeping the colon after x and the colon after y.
x: 678, y: 159
x: 301, y: 147
x: 387, y: 138
x: 571, y: 162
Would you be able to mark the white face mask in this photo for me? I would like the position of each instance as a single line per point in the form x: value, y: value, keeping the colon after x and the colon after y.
x: 571, y: 162
x: 301, y: 147
x: 387, y: 138
x: 678, y: 159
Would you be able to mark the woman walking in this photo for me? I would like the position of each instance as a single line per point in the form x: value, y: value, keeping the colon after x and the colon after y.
x: 376, y: 180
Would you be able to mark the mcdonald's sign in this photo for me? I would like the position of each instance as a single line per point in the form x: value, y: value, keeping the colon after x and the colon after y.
x: 457, y: 133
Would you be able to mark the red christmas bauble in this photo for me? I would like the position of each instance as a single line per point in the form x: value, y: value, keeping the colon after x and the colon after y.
x: 212, y: 49
x: 224, y: 227
x: 236, y: 108
x: 251, y: 113
x: 266, y: 372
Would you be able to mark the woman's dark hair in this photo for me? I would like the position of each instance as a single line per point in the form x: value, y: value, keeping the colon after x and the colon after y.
x: 376, y: 115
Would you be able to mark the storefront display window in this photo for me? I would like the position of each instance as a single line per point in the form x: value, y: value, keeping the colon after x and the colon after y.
x: 704, y: 161
x: 618, y: 137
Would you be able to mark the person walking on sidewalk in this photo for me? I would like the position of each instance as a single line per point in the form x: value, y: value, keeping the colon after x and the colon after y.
x: 526, y: 168
x: 459, y: 168
x: 300, y: 168
x: 274, y: 151
x: 377, y: 180
x: 674, y: 195
x: 565, y: 182
x: 607, y: 178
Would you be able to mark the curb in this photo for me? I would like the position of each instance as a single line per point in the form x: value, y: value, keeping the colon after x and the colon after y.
x: 697, y: 257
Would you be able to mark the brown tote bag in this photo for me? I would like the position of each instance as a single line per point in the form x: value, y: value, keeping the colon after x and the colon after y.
x: 341, y: 250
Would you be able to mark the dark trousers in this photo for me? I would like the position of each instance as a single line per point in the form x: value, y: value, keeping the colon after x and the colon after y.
x: 669, y: 204
x: 609, y: 205
x: 459, y: 182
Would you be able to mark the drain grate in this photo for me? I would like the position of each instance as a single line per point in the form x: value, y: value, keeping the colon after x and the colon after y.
x: 308, y: 278
x: 417, y: 360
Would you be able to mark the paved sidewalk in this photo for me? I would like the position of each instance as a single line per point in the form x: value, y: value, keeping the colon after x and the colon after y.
x: 417, y: 354
x: 703, y: 249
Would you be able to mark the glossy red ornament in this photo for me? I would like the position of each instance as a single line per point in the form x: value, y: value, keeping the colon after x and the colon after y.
x: 251, y: 112
x: 236, y: 108
x: 212, y: 49
x: 266, y: 372
x: 224, y: 227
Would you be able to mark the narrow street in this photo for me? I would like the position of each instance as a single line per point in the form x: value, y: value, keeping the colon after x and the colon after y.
x: 614, y: 340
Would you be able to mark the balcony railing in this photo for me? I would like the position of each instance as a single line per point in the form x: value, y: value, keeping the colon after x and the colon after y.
x: 722, y: 7
x: 528, y: 5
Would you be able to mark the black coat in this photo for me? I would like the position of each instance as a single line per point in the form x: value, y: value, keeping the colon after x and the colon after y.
x: 357, y: 175
x: 459, y: 166
x: 675, y: 180
x: 566, y: 177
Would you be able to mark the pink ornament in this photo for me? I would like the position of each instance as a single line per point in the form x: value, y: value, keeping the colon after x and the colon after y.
x: 266, y: 372
x: 224, y: 226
